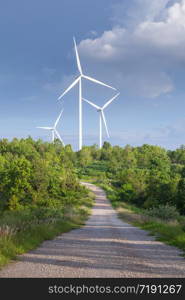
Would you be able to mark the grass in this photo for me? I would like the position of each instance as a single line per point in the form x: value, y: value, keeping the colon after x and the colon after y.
x: 165, y: 232
x: 15, y: 240
x: 11, y: 246
x: 170, y: 232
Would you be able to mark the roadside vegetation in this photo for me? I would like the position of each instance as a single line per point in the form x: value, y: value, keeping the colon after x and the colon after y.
x: 145, y: 184
x: 40, y: 195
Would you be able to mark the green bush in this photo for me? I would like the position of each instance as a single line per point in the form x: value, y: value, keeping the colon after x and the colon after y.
x: 126, y: 192
x: 146, y: 176
x: 164, y: 212
x: 38, y: 174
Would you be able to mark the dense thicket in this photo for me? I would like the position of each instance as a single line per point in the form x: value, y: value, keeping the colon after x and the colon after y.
x: 147, y: 176
x: 40, y: 195
x: 37, y: 174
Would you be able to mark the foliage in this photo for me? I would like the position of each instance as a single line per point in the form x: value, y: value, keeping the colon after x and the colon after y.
x: 18, y: 237
x: 164, y: 212
x: 173, y: 234
x: 39, y: 181
x: 164, y: 221
x: 40, y: 194
x: 146, y: 176
x: 33, y: 173
x: 146, y: 185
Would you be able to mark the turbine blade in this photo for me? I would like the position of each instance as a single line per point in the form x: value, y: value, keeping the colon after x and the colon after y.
x: 69, y: 88
x: 59, y: 137
x: 97, y: 81
x: 104, y: 120
x: 109, y: 102
x: 91, y: 103
x: 58, y: 118
x: 47, y: 128
x: 77, y: 58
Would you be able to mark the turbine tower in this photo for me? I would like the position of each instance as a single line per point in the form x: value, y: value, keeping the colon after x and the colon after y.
x: 100, y: 110
x: 54, y: 132
x: 79, y: 81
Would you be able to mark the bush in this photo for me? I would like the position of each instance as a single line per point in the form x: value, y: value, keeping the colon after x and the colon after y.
x: 127, y: 192
x: 164, y: 212
x: 36, y: 174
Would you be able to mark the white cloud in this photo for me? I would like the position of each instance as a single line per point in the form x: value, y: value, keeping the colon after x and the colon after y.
x: 167, y: 33
x: 138, y: 11
x: 145, y: 52
x: 93, y: 32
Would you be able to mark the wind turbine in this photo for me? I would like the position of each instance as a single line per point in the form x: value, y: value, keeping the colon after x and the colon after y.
x: 79, y: 80
x: 100, y: 110
x: 53, y: 130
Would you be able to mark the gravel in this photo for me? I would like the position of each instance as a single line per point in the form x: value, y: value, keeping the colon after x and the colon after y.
x: 104, y: 247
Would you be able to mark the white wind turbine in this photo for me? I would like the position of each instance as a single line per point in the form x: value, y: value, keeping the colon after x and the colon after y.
x: 100, y: 110
x: 53, y: 130
x: 79, y: 80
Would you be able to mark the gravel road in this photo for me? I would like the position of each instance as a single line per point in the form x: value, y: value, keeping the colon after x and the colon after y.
x: 104, y: 247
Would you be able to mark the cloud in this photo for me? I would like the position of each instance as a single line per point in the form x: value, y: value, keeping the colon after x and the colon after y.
x: 169, y: 136
x: 167, y: 33
x: 93, y: 33
x: 138, y: 11
x: 145, y: 50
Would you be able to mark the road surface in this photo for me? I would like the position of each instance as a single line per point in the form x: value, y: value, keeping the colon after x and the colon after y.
x: 104, y: 247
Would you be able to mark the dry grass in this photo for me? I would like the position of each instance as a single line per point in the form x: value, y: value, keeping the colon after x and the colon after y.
x: 131, y: 217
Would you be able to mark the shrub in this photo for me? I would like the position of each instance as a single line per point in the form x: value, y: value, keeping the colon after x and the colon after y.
x: 164, y: 212
x: 127, y: 192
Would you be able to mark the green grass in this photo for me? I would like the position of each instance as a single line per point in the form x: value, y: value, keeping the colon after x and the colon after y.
x: 170, y: 232
x: 32, y: 234
x: 11, y: 246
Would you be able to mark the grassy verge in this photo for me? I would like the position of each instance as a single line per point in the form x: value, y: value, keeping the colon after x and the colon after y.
x: 171, y: 232
x: 24, y: 230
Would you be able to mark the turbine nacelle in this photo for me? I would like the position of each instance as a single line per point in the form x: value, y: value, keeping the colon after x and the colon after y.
x: 78, y: 80
x: 100, y: 110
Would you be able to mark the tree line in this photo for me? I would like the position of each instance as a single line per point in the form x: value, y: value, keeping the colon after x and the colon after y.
x: 37, y: 174
x: 41, y: 174
x: 147, y: 176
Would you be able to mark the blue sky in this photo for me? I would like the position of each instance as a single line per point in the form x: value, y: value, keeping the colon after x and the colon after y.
x: 138, y: 46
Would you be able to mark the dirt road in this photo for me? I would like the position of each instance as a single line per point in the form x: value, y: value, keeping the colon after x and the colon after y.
x: 104, y: 247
